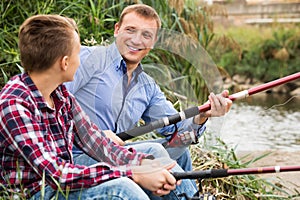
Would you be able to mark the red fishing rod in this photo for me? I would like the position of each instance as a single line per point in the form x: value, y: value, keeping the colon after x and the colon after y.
x: 219, y: 173
x: 193, y: 111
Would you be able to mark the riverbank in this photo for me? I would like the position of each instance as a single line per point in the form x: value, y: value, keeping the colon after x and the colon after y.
x: 288, y: 181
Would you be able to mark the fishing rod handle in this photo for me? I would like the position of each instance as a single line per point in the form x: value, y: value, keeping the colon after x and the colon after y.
x: 212, y: 173
x: 173, y: 119
x: 137, y: 131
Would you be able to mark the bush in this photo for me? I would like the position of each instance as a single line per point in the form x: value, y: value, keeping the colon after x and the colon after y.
x: 264, y: 53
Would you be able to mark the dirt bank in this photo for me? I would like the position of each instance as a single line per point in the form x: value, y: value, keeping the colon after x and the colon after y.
x: 290, y: 181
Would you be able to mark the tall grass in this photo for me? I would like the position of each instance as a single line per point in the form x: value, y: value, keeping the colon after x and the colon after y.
x: 96, y: 20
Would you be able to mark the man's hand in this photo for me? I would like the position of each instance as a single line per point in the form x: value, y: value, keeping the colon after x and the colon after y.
x: 220, y: 104
x: 114, y: 137
x: 152, y: 175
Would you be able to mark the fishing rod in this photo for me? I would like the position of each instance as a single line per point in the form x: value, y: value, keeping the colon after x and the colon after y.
x: 193, y: 111
x: 219, y: 173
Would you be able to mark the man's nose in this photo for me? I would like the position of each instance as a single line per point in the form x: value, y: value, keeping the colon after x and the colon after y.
x: 137, y: 38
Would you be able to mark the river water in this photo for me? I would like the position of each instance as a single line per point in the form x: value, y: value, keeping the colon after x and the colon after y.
x: 261, y: 122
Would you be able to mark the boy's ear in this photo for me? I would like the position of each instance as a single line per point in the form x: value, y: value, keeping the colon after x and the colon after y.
x: 65, y: 63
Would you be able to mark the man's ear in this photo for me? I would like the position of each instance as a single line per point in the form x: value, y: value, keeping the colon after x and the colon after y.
x: 65, y: 63
x: 116, y: 31
x: 155, y: 40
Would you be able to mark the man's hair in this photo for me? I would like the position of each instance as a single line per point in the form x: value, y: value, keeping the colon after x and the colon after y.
x: 45, y: 38
x: 143, y: 10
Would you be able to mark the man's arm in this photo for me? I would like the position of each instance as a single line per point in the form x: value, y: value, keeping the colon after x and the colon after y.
x: 159, y: 107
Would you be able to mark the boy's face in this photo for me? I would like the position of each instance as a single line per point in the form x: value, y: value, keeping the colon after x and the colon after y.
x: 135, y: 37
x: 74, y: 58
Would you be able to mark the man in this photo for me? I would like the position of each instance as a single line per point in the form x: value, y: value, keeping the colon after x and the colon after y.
x: 116, y: 93
x: 40, y: 121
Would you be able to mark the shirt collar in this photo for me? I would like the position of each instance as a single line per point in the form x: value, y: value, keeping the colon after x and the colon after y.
x: 59, y: 94
x: 38, y: 98
x: 115, y: 56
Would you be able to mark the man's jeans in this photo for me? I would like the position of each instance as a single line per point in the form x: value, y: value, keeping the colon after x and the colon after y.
x: 181, y: 153
x: 122, y: 188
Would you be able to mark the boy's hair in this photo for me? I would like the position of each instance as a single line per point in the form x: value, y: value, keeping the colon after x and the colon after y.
x: 143, y: 10
x: 45, y: 38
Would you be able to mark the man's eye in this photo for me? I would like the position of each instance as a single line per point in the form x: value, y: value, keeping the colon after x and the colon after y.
x: 130, y: 30
x: 147, y: 35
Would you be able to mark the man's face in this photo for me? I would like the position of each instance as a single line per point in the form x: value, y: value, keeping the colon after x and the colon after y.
x: 135, y: 37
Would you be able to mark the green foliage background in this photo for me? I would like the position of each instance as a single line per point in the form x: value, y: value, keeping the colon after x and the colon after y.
x: 261, y: 52
x: 264, y: 55
x: 96, y: 20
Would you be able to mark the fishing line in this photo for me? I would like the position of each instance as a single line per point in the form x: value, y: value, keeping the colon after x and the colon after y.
x: 285, y: 103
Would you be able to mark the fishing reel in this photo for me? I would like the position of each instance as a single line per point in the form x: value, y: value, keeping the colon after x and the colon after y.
x: 199, y: 197
x: 183, y: 139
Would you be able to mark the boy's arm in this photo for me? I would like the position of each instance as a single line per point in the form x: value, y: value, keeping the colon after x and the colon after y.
x: 26, y: 134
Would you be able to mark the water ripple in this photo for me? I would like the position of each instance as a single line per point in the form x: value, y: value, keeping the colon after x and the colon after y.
x: 254, y: 127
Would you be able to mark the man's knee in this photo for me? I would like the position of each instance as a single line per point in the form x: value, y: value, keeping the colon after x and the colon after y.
x: 158, y: 150
x: 154, y: 148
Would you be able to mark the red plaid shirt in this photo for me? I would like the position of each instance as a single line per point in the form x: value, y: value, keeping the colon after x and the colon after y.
x: 36, y: 139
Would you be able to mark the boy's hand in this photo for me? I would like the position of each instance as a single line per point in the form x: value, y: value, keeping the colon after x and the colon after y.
x: 152, y: 175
